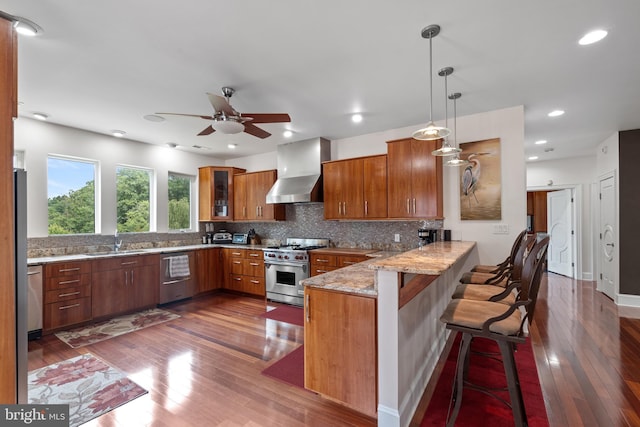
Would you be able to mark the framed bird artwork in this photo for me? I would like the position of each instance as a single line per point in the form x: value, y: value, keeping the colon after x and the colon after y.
x: 480, y: 181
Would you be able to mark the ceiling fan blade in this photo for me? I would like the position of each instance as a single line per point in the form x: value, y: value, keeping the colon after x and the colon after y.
x: 220, y: 104
x: 254, y: 130
x: 188, y: 115
x: 268, y: 118
x: 207, y: 131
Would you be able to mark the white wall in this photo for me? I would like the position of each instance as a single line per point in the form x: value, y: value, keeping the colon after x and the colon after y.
x: 38, y: 140
x: 578, y: 173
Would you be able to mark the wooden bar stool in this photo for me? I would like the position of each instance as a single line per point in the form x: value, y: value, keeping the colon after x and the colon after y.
x: 503, y: 323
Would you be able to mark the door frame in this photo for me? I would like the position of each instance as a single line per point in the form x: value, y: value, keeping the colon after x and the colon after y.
x: 576, y: 223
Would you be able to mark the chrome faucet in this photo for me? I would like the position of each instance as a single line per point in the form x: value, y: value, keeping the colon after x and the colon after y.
x: 116, y: 243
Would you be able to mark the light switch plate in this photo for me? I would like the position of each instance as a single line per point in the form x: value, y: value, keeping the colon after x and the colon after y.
x: 501, y: 229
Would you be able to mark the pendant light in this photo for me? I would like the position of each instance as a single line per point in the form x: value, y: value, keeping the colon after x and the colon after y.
x: 455, y: 160
x: 432, y: 131
x: 446, y: 149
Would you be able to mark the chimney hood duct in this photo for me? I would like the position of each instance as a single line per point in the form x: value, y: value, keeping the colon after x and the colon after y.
x: 299, y: 171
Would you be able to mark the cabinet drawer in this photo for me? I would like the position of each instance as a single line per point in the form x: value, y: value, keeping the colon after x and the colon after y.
x: 66, y: 313
x: 327, y: 260
x: 66, y: 294
x: 253, y: 267
x: 123, y: 262
x: 321, y: 269
x: 255, y: 254
x: 61, y: 282
x: 346, y: 261
x: 72, y: 268
x: 237, y: 253
x: 237, y: 266
x: 254, y: 286
x: 235, y: 282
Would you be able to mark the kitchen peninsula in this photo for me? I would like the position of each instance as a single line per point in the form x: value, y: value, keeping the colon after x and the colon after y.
x: 372, y: 330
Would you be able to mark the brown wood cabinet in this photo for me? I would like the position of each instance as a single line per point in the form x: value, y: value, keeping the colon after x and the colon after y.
x: 250, y: 194
x: 67, y: 294
x: 325, y: 260
x: 340, y: 348
x: 355, y: 188
x: 414, y: 179
x: 215, y: 190
x: 8, y: 111
x: 208, y: 269
x: 537, y: 206
x: 124, y: 284
x: 245, y: 271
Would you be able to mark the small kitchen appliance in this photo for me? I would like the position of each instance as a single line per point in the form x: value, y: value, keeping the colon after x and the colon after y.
x: 222, y: 237
x: 240, y: 239
x: 427, y: 236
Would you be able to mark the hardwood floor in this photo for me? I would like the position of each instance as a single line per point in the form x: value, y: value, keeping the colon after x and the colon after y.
x: 204, y: 368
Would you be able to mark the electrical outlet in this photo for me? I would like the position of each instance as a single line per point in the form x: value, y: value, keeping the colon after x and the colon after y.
x: 396, y: 237
x: 501, y: 229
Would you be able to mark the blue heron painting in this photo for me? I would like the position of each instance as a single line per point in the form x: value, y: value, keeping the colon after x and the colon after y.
x: 480, y: 186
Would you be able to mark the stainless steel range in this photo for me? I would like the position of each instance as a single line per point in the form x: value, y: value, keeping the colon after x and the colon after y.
x: 286, y: 265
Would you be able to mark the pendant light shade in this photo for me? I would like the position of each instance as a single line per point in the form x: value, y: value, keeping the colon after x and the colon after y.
x: 455, y: 160
x: 446, y: 149
x: 432, y: 131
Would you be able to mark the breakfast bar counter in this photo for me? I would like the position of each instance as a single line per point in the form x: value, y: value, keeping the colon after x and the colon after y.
x: 372, y: 330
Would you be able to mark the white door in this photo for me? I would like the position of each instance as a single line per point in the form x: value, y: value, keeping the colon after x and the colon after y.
x: 560, y: 229
x: 607, y: 248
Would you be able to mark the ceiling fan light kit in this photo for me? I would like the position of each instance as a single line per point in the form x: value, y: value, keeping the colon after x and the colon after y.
x: 227, y: 126
x: 431, y: 132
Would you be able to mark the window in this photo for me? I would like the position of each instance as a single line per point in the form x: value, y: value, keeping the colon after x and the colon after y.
x: 179, y: 201
x: 133, y: 190
x: 71, y: 194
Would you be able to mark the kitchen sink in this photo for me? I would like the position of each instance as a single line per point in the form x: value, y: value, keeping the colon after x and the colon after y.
x: 126, y: 252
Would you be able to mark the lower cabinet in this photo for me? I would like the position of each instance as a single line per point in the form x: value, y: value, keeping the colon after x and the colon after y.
x: 340, y: 348
x: 209, y: 271
x: 124, y: 284
x: 323, y: 261
x: 245, y: 271
x: 67, y: 294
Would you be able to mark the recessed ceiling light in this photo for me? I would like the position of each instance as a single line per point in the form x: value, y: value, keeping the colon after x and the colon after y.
x: 153, y: 118
x: 40, y: 116
x: 532, y: 158
x: 356, y: 118
x: 540, y: 142
x: 26, y: 27
x: 232, y: 146
x: 592, y: 37
x: 172, y: 144
x: 287, y: 134
x: 118, y: 133
x: 556, y: 113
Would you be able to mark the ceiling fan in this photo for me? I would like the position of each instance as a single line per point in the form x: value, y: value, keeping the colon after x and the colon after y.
x: 228, y: 121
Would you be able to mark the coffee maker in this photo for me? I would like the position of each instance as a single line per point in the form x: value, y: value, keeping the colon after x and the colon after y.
x: 427, y: 235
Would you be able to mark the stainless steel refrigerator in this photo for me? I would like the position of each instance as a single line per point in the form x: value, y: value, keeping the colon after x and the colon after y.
x: 20, y: 205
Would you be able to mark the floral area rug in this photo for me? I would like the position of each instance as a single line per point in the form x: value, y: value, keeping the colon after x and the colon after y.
x: 114, y: 327
x: 88, y: 385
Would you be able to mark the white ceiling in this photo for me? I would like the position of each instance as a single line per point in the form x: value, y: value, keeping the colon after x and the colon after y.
x: 103, y: 65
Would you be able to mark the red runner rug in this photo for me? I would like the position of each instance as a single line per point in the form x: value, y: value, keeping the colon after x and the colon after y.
x: 478, y: 409
x: 287, y: 314
x: 289, y: 369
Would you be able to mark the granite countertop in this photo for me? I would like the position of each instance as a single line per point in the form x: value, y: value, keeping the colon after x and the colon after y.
x: 432, y: 259
x: 344, y: 251
x: 132, y: 252
x: 359, y: 278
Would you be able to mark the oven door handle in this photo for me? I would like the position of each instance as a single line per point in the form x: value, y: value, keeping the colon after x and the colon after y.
x: 304, y: 267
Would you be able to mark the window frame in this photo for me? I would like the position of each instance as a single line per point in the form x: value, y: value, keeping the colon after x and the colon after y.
x: 192, y: 207
x: 152, y: 195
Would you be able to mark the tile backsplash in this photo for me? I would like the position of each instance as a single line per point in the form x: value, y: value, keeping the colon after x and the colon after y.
x: 303, y: 220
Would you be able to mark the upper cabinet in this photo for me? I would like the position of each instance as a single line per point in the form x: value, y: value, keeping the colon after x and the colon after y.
x: 215, y: 187
x: 355, y: 188
x: 250, y: 195
x: 415, y: 179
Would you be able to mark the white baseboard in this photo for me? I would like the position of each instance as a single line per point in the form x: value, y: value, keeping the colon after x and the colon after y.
x: 588, y: 276
x: 627, y: 300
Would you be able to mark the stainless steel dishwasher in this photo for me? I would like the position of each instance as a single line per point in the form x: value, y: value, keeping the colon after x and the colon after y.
x: 34, y: 301
x: 176, y: 277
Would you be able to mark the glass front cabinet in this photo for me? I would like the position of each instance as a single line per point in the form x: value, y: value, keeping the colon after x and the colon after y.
x: 215, y: 187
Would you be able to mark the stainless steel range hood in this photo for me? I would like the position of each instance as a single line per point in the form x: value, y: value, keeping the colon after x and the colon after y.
x: 299, y: 171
